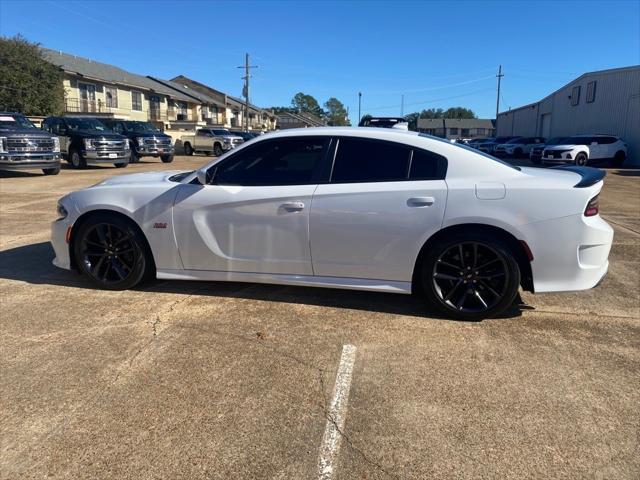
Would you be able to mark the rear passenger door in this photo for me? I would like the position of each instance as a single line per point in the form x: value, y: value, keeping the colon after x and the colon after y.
x: 382, y: 201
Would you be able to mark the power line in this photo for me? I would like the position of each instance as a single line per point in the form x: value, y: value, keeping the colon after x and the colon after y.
x: 434, y: 100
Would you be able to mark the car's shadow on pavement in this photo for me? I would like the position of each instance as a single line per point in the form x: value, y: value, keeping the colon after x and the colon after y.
x: 32, y: 264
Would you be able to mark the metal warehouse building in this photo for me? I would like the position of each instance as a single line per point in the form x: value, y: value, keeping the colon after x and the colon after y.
x: 607, y: 102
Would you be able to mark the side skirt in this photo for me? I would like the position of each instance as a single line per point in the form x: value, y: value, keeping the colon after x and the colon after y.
x: 279, y: 279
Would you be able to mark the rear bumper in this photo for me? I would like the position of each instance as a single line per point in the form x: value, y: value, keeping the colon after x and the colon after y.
x: 570, y: 253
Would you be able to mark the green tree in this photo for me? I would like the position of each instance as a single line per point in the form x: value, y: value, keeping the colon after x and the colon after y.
x: 306, y: 103
x: 336, y: 114
x: 432, y: 113
x: 412, y: 118
x: 459, y: 112
x: 28, y: 83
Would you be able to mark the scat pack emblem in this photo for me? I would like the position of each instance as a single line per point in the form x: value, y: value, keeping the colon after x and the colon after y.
x: 160, y: 225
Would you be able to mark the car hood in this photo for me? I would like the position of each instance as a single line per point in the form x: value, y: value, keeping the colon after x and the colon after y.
x: 98, y: 134
x: 31, y: 132
x: 144, y: 178
x: 563, y: 147
x: 232, y: 137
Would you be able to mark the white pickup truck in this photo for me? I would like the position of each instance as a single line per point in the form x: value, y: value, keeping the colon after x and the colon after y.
x: 210, y: 140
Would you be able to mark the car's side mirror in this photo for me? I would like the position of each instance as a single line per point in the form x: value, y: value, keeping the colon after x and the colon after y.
x: 202, y: 176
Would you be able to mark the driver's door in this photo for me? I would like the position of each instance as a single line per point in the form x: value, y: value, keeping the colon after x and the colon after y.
x: 254, y: 216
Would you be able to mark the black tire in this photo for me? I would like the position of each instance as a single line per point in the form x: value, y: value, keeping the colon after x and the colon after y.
x: 111, y: 252
x: 536, y: 161
x: 120, y: 165
x: 517, y: 153
x: 188, y: 149
x: 217, y: 150
x: 166, y: 158
x: 582, y: 160
x: 51, y: 171
x: 135, y: 158
x: 619, y: 159
x: 76, y: 160
x: 482, y: 264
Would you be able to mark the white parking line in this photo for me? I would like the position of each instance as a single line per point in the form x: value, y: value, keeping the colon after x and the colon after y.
x: 337, y: 414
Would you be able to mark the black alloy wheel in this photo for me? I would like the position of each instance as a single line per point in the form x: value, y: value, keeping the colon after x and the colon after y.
x: 581, y: 159
x: 471, y: 278
x: 110, y: 253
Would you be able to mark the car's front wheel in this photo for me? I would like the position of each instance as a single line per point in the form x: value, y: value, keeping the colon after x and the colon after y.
x: 110, y: 252
x: 470, y: 276
x: 582, y: 159
x: 188, y: 149
x: 76, y: 160
x: 51, y: 171
x: 217, y: 150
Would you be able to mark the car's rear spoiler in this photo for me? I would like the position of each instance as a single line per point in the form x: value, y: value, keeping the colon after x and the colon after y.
x: 590, y: 176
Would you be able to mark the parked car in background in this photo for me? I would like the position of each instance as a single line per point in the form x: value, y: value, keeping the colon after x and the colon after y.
x: 489, y: 147
x: 87, y: 141
x: 145, y: 140
x: 518, y: 147
x: 476, y: 142
x: 583, y: 149
x: 535, y: 155
x: 385, y: 122
x: 210, y: 140
x: 246, y: 136
x: 355, y: 208
x: 24, y: 146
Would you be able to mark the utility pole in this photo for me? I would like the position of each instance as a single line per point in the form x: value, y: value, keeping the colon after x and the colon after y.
x: 499, y: 75
x: 245, y: 90
x: 359, y: 107
x: 402, y: 106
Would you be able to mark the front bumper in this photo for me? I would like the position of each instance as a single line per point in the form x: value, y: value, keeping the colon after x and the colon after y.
x: 23, y: 161
x: 59, y: 243
x: 93, y: 157
x: 557, y: 161
x: 570, y: 253
x: 154, y: 151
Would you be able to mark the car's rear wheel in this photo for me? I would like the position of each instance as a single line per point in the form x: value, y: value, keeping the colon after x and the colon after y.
x: 470, y: 276
x: 582, y: 159
x: 188, y: 149
x: 618, y: 159
x: 111, y: 253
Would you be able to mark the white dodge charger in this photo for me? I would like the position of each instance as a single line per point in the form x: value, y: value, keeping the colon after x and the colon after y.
x: 356, y: 208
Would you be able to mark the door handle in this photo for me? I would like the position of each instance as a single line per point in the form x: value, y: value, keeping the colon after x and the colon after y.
x: 421, y: 201
x: 293, y: 206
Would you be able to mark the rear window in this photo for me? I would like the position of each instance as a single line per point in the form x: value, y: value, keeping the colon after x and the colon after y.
x: 364, y: 160
x: 426, y: 165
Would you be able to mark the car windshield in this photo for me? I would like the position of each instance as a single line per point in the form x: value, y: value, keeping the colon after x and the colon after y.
x: 501, y: 139
x: 221, y: 132
x: 470, y: 149
x: 515, y: 140
x: 576, y: 141
x: 14, y: 121
x: 85, y: 124
x: 140, y: 127
x: 556, y: 141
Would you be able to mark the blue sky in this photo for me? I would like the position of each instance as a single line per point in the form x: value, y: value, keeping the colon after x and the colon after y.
x: 436, y: 54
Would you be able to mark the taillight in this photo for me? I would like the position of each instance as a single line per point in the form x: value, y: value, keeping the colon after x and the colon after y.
x: 592, y: 207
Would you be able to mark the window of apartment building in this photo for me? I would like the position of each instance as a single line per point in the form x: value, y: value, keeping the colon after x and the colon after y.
x: 453, y: 131
x: 575, y: 95
x: 205, y: 112
x: 481, y: 131
x: 136, y: 101
x: 111, y: 97
x: 591, y: 92
x: 464, y: 132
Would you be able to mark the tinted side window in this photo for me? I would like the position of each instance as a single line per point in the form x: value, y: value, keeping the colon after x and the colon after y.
x: 291, y: 161
x: 427, y: 165
x: 366, y: 160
